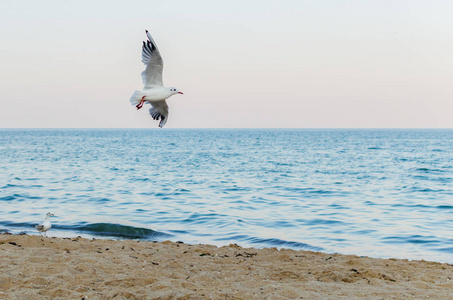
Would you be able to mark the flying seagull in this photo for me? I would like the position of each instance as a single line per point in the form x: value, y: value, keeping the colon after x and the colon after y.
x: 154, y: 92
x: 45, y: 225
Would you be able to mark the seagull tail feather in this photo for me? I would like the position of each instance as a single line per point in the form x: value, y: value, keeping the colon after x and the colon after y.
x: 136, y: 97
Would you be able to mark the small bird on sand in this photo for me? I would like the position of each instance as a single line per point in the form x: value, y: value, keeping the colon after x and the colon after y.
x: 154, y: 92
x: 45, y: 225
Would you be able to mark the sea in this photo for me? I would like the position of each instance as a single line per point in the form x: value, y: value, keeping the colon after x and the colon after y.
x: 378, y: 193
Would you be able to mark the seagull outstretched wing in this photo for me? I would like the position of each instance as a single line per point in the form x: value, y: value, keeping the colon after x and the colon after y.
x: 152, y: 75
x: 159, y: 110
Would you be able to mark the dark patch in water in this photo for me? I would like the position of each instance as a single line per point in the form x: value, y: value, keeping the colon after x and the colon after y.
x: 412, y: 239
x: 117, y: 230
x: 7, y: 198
x: 445, y: 207
x: 281, y: 243
x: 446, y: 249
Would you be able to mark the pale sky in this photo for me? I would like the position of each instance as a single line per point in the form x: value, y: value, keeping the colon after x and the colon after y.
x: 240, y: 64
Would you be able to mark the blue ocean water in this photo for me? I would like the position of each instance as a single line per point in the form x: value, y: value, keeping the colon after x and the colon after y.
x: 381, y: 193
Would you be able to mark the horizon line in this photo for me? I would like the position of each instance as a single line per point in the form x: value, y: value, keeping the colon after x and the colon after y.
x: 228, y: 128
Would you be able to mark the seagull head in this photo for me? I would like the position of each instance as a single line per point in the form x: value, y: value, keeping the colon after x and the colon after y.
x: 175, y: 91
x: 50, y: 215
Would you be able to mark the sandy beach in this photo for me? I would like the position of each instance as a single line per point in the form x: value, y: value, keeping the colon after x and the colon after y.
x: 33, y: 267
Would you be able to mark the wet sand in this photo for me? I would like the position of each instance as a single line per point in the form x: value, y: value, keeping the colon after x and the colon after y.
x: 33, y: 267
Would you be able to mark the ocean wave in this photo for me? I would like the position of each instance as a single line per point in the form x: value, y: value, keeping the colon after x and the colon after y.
x: 117, y: 230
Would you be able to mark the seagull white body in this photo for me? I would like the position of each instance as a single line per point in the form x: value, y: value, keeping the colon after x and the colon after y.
x: 154, y: 92
x: 45, y: 225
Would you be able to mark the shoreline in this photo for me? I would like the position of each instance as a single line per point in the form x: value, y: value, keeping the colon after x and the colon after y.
x: 34, y: 267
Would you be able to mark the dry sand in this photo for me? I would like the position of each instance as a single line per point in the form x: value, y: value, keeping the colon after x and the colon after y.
x: 33, y: 267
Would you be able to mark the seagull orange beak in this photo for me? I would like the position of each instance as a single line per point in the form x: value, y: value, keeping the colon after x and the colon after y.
x: 180, y: 93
